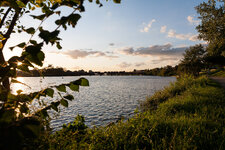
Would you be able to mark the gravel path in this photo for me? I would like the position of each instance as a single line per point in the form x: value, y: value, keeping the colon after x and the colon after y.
x: 220, y: 80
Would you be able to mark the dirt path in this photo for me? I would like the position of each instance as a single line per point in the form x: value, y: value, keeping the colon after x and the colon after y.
x: 220, y: 80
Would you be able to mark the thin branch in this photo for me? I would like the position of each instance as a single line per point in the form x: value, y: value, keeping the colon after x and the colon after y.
x: 34, y: 32
x: 4, y: 17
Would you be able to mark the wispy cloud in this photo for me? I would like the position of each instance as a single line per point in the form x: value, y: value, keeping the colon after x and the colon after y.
x: 124, y: 65
x: 192, y: 21
x: 127, y: 65
x: 155, y: 50
x: 163, y: 29
x: 111, y: 44
x: 165, y: 60
x: 158, y: 55
x: 148, y: 26
x: 139, y: 64
x: 189, y: 36
x: 75, y: 54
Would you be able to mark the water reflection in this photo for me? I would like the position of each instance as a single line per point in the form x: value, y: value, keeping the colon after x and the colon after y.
x: 18, y: 86
x: 107, y: 97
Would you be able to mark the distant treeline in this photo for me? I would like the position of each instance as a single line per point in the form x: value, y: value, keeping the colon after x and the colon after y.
x: 59, y: 71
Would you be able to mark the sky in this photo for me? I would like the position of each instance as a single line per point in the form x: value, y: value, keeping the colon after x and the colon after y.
x: 136, y: 34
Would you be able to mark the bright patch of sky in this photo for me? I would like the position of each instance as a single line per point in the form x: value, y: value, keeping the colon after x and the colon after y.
x: 132, y: 35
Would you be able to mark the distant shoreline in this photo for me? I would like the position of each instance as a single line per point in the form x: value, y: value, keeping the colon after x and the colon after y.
x: 95, y: 75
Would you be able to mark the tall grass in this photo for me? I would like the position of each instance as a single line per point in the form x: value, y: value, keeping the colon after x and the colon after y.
x: 176, y: 88
x: 189, y: 114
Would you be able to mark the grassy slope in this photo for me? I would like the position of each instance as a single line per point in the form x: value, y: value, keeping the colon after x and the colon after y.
x: 187, y: 115
x: 219, y: 74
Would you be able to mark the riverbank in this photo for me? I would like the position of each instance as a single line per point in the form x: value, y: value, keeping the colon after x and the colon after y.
x: 189, y: 114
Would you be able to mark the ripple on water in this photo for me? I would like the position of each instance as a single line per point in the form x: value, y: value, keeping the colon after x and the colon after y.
x: 105, y: 100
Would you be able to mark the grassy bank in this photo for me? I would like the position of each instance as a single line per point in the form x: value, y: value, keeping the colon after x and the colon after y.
x: 218, y: 73
x: 188, y: 114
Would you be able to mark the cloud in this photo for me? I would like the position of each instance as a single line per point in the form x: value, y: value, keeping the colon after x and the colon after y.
x: 75, y: 54
x: 194, y: 38
x: 155, y: 50
x: 192, y: 21
x: 111, y: 44
x: 127, y: 50
x: 124, y: 65
x: 139, y: 64
x: 163, y: 29
x: 189, y: 36
x: 148, y: 26
x: 168, y: 60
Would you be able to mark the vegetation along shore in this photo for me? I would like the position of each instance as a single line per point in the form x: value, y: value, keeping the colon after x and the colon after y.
x: 188, y: 114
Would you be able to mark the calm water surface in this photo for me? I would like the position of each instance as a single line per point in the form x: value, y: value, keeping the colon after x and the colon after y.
x: 105, y: 100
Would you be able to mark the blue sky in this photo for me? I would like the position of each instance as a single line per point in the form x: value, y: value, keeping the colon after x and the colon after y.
x: 136, y: 34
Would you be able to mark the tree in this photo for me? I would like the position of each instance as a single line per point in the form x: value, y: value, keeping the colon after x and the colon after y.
x: 212, y: 28
x: 194, y: 60
x: 18, y: 123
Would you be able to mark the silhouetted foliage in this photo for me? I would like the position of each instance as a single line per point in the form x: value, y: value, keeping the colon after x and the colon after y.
x: 19, y: 124
x: 212, y: 28
x: 194, y: 60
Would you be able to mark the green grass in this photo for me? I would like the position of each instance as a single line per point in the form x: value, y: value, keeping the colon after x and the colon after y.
x: 188, y: 114
x: 220, y: 73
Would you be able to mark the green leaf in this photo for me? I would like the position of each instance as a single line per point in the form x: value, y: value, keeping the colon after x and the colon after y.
x: 20, y: 4
x: 30, y: 30
x: 19, y: 92
x: 50, y: 92
x: 26, y: 62
x: 24, y: 108
x: 74, y: 87
x: 44, y: 113
x: 64, y: 102
x: 84, y: 82
x: 15, y: 59
x: 58, y: 45
x: 47, y: 36
x: 23, y: 68
x: 117, y: 1
x: 33, y: 42
x: 21, y: 45
x: 41, y: 56
x: 34, y: 54
x: 61, y: 88
x: 11, y: 48
x: 54, y: 105
x: 69, y: 97
x: 72, y: 20
x: 40, y: 17
x: 81, y: 82
x: 12, y: 97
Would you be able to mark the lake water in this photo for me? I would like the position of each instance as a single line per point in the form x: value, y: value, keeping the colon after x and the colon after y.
x: 105, y: 100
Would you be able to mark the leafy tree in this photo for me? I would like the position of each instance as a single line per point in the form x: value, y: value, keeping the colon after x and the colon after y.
x: 19, y: 125
x: 212, y: 28
x: 194, y: 60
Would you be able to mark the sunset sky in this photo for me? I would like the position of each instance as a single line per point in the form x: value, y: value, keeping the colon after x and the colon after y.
x: 136, y: 34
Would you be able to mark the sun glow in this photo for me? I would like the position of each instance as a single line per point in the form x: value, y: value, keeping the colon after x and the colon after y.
x: 19, y: 63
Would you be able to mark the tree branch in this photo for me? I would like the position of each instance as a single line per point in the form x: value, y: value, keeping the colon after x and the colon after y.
x: 4, y: 17
x: 6, y: 83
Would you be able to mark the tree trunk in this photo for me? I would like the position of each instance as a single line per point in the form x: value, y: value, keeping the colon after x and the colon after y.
x: 5, y: 82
